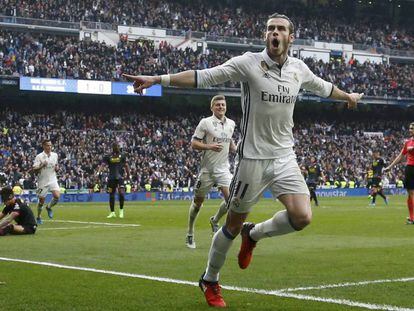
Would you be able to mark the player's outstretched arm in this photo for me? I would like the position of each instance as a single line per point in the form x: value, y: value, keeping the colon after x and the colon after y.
x: 181, y: 79
x: 396, y: 160
x: 351, y: 98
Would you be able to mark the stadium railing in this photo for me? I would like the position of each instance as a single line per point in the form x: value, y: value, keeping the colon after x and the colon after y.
x: 252, y: 41
x: 214, y: 39
x: 303, y: 96
x: 248, y: 41
x: 97, y: 25
x: 13, y: 81
x: 38, y: 22
x: 383, y: 50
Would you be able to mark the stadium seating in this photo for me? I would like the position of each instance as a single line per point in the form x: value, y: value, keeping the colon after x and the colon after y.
x: 242, y: 19
x: 158, y: 150
x: 66, y: 57
x: 157, y: 145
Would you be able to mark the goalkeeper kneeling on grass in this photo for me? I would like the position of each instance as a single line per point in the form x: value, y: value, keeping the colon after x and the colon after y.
x: 15, y: 211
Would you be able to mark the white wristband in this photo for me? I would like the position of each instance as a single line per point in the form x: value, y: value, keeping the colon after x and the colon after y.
x: 165, y: 80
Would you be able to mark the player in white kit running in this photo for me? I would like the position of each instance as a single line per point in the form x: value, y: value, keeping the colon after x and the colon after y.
x: 213, y: 136
x: 271, y: 81
x: 46, y: 166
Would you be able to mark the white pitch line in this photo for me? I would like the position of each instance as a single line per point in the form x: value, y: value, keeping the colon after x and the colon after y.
x: 132, y: 275
x: 346, y: 302
x: 94, y: 223
x: 232, y: 288
x: 84, y: 227
x: 351, y: 303
x: 347, y: 284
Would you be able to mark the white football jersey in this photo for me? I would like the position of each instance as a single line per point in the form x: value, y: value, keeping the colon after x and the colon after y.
x: 47, y: 174
x: 212, y: 130
x: 268, y: 97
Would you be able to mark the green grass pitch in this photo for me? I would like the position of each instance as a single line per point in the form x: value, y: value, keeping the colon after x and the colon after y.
x: 348, y: 241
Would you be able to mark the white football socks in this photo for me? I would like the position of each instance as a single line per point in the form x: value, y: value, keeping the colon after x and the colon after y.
x: 192, y: 215
x: 220, y: 245
x: 279, y: 224
x: 220, y: 212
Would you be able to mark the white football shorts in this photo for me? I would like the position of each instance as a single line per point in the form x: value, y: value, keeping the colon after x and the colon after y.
x: 205, y: 181
x: 253, y: 177
x: 43, y: 189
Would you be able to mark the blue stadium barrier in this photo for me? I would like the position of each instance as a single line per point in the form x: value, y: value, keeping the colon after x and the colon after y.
x: 355, y: 192
x: 178, y: 195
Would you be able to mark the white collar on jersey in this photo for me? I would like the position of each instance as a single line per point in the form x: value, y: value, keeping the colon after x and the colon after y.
x: 46, y: 154
x: 224, y: 120
x: 270, y: 62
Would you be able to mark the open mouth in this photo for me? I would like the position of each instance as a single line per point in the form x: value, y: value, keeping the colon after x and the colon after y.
x: 275, y: 43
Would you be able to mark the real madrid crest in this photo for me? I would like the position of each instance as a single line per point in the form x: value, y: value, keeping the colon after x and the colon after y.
x: 295, y: 76
x: 265, y: 68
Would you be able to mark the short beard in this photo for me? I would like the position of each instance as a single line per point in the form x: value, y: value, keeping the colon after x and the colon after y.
x: 269, y: 46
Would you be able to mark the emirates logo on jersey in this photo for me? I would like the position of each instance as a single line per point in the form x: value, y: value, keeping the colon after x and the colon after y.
x: 222, y: 139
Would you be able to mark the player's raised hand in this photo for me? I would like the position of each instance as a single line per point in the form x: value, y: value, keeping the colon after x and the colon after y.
x: 216, y: 147
x: 353, y: 100
x: 142, y: 82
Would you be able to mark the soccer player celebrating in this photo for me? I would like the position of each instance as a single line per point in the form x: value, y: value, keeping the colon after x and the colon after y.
x: 116, y: 163
x: 213, y: 137
x: 377, y: 166
x: 18, y: 211
x: 271, y: 81
x: 407, y: 151
x: 46, y: 166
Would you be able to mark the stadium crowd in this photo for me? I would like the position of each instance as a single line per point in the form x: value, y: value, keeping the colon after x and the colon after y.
x: 157, y: 147
x: 242, y: 19
x: 66, y: 57
x: 372, y: 79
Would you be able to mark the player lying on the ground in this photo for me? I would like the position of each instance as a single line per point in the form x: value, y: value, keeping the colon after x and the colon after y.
x: 18, y: 211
